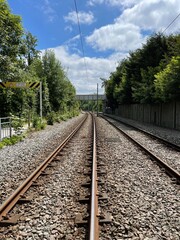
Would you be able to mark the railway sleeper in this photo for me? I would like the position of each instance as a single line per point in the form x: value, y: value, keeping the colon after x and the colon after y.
x: 7, y: 221
x: 25, y: 199
x: 81, y: 221
x: 88, y: 183
x: 86, y: 199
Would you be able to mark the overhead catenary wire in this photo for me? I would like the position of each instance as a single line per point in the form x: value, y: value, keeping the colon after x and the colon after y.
x: 171, y: 23
x: 81, y: 38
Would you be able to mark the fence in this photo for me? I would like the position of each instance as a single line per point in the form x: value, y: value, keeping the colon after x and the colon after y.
x: 162, y: 114
x: 5, y: 127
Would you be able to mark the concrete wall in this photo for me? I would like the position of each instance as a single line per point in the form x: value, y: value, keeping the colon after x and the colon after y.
x: 162, y: 114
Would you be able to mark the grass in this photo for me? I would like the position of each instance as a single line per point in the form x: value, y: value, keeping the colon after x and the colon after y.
x: 12, y: 140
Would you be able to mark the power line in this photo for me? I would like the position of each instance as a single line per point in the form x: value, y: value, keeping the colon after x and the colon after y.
x: 171, y: 22
x: 80, y: 34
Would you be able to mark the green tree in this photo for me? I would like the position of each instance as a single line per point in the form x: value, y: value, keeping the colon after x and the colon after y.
x: 11, y: 32
x: 167, y: 82
x: 61, y: 91
x: 28, y: 48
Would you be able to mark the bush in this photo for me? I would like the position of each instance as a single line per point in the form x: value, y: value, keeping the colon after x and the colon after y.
x: 17, y: 124
x: 43, y: 125
x: 63, y: 117
x: 1, y: 145
x: 50, y: 118
x: 6, y: 141
x: 10, y: 141
x: 38, y: 123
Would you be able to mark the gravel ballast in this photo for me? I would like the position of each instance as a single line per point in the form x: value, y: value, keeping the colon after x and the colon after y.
x: 143, y: 201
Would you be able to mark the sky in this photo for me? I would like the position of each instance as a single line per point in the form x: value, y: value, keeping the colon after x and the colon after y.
x: 110, y: 29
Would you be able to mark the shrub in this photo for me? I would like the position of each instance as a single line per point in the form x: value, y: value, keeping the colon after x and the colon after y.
x: 50, y: 118
x: 6, y: 141
x: 38, y: 124
x: 1, y: 145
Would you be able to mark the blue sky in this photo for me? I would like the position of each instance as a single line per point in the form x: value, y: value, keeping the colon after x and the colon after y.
x: 110, y: 29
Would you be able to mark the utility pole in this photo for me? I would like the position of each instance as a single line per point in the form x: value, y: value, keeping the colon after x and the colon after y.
x: 40, y: 95
x: 97, y: 100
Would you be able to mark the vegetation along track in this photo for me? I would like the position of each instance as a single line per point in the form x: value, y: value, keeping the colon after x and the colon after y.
x: 164, y: 153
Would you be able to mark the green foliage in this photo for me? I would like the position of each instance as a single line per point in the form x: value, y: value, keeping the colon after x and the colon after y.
x: 134, y: 78
x: 38, y: 123
x: 61, y: 91
x: 7, y: 141
x: 11, y: 32
x: 28, y: 48
x: 1, y: 145
x: 90, y: 105
x: 167, y: 82
x: 11, y: 141
x: 50, y: 118
x: 17, y: 123
x: 20, y: 62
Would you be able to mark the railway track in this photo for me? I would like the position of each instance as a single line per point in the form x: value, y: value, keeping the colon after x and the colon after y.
x: 20, y: 194
x: 170, y: 169
x: 142, y: 199
x: 162, y: 140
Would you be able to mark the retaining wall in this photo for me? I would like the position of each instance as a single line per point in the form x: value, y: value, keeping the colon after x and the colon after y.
x: 162, y: 114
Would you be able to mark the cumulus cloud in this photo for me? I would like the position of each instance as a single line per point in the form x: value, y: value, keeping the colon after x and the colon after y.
x: 154, y: 15
x: 84, y: 81
x: 84, y: 17
x: 127, y: 31
x: 117, y: 37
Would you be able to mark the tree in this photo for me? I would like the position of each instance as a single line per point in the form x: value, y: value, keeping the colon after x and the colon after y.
x: 167, y: 82
x: 133, y: 80
x: 61, y: 91
x: 11, y: 32
x: 28, y: 48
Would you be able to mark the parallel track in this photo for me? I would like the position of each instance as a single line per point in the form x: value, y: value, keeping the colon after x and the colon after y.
x: 169, y: 170
x: 162, y: 140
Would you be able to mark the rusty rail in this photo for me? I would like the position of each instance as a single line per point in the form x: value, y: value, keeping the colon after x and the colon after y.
x: 162, y: 140
x: 19, y: 192
x: 169, y: 170
x: 94, y: 220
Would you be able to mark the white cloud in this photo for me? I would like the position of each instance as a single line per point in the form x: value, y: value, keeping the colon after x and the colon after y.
x: 127, y: 31
x: 154, y: 15
x: 125, y: 34
x: 117, y: 37
x: 75, y: 68
x: 84, y: 17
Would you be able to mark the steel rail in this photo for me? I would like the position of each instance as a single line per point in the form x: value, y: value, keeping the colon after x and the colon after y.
x: 170, y: 171
x: 94, y: 220
x: 11, y: 201
x: 166, y: 142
